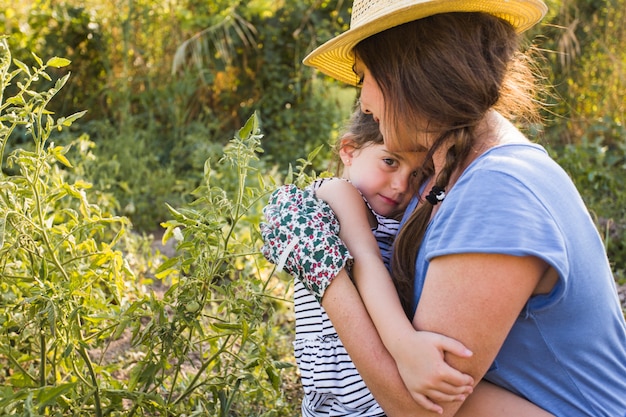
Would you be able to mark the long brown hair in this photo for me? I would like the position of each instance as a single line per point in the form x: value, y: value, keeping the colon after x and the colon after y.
x: 440, y: 75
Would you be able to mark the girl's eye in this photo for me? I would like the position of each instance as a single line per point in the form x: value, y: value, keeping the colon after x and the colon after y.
x: 389, y: 161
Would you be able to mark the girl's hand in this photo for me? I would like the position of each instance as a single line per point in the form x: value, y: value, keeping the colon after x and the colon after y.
x: 420, y: 358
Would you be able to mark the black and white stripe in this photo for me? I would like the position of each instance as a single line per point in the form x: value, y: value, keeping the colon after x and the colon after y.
x: 332, y: 385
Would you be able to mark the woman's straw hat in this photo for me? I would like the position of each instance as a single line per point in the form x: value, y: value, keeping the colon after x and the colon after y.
x: 335, y: 58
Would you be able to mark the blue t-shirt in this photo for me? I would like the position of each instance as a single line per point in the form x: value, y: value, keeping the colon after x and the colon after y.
x: 567, y: 350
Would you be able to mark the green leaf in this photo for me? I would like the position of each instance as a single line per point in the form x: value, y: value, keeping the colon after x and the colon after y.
x: 39, y: 61
x: 273, y: 377
x: 283, y: 365
x: 3, y: 222
x: 17, y: 100
x: 166, y: 267
x: 22, y: 66
x: 227, y: 326
x: 120, y: 328
x: 251, y: 126
x: 67, y: 121
x: 58, y: 153
x: 11, y: 395
x: 48, y: 395
x: 43, y: 270
x: 57, y: 62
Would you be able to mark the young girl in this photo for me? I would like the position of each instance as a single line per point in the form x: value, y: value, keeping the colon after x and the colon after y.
x: 373, y: 192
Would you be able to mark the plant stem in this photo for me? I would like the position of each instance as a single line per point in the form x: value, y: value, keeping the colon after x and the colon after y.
x: 191, y: 386
x: 96, y: 390
x: 42, y: 357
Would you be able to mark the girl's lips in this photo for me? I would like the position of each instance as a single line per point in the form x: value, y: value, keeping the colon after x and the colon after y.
x: 389, y: 200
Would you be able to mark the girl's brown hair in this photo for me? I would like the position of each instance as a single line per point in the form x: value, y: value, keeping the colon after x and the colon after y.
x: 362, y: 130
x: 440, y: 76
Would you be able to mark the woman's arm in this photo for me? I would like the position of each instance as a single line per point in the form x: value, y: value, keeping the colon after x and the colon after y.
x: 476, y: 298
x: 374, y: 363
x: 491, y: 400
x: 378, y: 369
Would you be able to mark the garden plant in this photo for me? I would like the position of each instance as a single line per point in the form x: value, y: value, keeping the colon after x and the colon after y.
x: 69, y: 293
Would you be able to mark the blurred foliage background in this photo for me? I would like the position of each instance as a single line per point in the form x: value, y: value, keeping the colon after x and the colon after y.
x: 167, y: 84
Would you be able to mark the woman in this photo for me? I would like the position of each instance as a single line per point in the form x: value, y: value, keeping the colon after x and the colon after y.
x: 497, y: 250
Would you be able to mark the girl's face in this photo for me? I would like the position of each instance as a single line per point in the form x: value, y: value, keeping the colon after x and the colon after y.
x: 383, y: 177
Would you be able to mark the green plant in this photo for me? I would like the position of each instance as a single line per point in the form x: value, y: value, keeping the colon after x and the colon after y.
x: 167, y: 84
x: 79, y: 336
x: 586, y: 55
x: 62, y: 282
x: 223, y: 294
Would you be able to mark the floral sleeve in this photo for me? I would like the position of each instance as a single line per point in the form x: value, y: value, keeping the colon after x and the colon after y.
x: 301, y: 236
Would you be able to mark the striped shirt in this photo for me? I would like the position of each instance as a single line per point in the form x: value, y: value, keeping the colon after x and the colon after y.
x: 332, y: 385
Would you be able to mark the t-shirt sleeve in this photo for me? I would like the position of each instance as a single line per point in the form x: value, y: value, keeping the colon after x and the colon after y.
x: 499, y: 215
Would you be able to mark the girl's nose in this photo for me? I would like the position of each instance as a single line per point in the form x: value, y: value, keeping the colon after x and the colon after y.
x: 400, y: 182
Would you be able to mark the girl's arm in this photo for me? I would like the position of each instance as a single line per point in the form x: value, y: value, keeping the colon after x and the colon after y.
x: 419, y: 354
x: 360, y: 338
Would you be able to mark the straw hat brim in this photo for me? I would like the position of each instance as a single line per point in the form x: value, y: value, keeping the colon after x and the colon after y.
x: 335, y: 58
